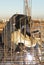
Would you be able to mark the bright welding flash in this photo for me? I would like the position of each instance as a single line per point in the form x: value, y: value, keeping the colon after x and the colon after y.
x: 29, y: 57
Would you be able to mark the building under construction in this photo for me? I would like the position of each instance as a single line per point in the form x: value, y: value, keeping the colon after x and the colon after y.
x: 20, y: 45
x: 22, y: 40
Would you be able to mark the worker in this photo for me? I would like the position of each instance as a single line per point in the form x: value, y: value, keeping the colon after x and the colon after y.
x: 19, y: 47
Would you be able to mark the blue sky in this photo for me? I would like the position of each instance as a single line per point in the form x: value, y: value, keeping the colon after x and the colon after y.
x: 10, y: 7
x: 38, y: 8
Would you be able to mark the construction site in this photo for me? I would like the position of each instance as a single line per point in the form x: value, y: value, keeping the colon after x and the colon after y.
x: 22, y: 39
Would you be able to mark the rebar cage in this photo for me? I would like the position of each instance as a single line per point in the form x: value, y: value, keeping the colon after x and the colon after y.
x: 17, y: 30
